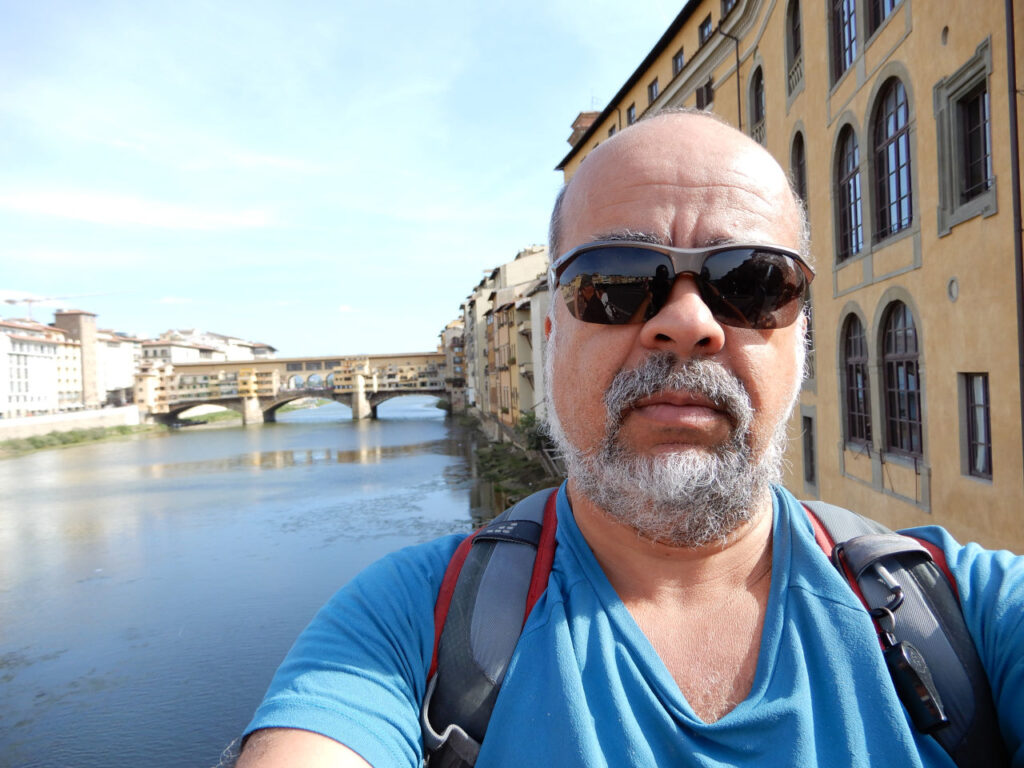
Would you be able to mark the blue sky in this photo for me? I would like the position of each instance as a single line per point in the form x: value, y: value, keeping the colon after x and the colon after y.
x: 325, y: 177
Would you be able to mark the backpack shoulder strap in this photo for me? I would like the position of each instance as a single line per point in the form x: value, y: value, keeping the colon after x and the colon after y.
x: 489, y: 588
x: 930, y: 654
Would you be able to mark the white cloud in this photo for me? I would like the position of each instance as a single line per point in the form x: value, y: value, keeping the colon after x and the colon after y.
x: 130, y: 211
x: 175, y: 300
x: 346, y: 309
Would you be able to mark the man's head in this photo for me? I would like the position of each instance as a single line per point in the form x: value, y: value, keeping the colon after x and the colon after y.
x: 676, y: 425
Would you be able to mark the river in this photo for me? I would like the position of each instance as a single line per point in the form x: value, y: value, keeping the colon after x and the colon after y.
x: 150, y: 587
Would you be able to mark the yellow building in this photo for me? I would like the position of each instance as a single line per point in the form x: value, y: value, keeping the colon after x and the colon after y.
x: 897, y: 122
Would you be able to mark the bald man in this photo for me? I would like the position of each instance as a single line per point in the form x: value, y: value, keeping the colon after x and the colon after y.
x: 690, y: 618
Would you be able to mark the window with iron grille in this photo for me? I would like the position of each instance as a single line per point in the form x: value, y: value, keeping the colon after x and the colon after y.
x: 798, y: 166
x: 652, y: 91
x: 855, y: 363
x: 850, y: 225
x: 901, y: 370
x: 879, y: 11
x: 631, y: 114
x: 975, y: 143
x: 894, y: 210
x: 979, y: 425
x: 704, y: 30
x: 844, y: 36
x: 678, y: 62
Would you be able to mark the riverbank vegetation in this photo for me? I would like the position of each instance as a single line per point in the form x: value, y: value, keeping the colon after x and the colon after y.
x: 23, y: 445
x: 512, y: 470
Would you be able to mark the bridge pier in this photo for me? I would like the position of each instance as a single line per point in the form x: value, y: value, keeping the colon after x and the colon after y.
x: 360, y: 403
x: 252, y: 413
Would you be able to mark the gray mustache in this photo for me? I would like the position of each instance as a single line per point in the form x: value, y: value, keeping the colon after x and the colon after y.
x: 665, y: 372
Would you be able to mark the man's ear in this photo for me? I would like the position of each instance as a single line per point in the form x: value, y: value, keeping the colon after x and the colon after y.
x: 547, y: 328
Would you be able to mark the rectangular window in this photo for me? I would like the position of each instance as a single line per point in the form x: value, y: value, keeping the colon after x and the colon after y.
x: 808, y: 435
x: 704, y: 31
x: 293, y: 366
x: 652, y: 91
x: 967, y: 183
x: 705, y: 95
x: 880, y: 11
x: 631, y: 114
x: 979, y: 424
x: 975, y: 143
x: 727, y: 6
x: 678, y: 62
x: 611, y: 131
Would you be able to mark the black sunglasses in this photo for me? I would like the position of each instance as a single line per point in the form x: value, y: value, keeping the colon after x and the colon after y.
x: 615, y: 282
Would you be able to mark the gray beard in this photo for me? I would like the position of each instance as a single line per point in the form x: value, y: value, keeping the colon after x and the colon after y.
x: 686, y: 498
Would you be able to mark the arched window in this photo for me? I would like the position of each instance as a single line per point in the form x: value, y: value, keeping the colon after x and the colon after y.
x: 858, y: 402
x: 902, y: 382
x: 794, y: 46
x: 844, y: 36
x: 892, y: 161
x: 798, y: 166
x: 757, y: 106
x: 850, y: 224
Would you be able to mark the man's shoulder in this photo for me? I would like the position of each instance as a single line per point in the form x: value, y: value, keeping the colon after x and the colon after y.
x: 425, y: 561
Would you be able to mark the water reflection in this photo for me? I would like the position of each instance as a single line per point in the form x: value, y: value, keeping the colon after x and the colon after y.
x: 368, y: 454
x: 138, y: 575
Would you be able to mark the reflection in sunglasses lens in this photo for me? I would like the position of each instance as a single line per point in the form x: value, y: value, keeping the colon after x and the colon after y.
x: 743, y: 287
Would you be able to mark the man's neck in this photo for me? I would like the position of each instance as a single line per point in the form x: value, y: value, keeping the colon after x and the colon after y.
x: 640, y: 568
x: 677, y: 595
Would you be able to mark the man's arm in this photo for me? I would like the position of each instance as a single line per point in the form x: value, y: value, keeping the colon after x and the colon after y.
x: 288, y: 747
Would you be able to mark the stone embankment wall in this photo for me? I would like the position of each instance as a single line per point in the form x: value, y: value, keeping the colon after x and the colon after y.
x: 30, y: 426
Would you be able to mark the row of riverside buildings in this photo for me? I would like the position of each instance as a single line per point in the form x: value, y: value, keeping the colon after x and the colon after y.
x: 897, y: 121
x: 71, y: 365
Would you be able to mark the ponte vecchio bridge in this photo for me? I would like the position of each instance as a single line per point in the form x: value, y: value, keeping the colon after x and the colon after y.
x: 257, y: 388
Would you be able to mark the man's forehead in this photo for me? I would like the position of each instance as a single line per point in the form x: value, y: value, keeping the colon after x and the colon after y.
x: 667, y: 182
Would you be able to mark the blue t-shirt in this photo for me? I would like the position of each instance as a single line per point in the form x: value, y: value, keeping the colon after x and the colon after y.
x: 585, y: 686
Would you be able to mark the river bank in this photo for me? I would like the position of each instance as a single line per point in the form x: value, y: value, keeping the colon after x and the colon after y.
x: 512, y: 461
x: 23, y: 445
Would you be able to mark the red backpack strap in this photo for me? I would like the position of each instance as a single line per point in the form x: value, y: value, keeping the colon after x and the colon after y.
x: 491, y: 584
x: 545, y: 554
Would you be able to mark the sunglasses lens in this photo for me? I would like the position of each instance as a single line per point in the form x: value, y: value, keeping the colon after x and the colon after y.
x: 753, y: 288
x: 743, y: 287
x: 616, y: 285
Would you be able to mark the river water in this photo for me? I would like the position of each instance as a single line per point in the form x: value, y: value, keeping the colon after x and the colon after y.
x: 150, y: 587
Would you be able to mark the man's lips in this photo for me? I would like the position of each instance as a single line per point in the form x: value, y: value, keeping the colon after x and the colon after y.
x: 681, y: 409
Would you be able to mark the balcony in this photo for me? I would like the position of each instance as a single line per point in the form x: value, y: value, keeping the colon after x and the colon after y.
x: 526, y: 371
x: 757, y: 133
x: 796, y: 75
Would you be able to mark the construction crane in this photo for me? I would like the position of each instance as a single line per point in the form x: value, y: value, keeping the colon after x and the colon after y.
x: 30, y: 300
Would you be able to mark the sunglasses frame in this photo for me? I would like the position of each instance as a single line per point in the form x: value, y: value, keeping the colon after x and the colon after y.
x: 685, y: 261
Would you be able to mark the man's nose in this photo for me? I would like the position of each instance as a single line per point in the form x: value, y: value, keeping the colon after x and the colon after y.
x: 685, y: 324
